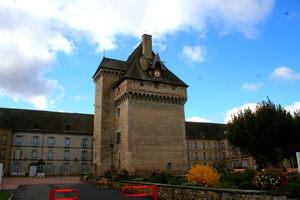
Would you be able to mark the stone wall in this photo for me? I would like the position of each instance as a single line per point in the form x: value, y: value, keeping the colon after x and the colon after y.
x: 174, y: 192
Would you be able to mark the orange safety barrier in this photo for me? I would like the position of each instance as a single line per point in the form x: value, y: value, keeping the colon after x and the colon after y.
x: 52, y: 191
x: 154, y: 194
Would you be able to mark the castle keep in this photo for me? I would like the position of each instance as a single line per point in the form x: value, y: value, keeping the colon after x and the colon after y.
x: 139, y: 115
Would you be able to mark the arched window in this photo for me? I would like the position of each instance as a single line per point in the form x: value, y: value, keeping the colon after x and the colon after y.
x: 17, y: 154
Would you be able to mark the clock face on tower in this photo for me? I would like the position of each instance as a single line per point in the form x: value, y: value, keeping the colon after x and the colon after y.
x: 157, y: 74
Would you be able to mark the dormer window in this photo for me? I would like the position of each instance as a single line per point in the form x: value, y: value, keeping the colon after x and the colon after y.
x: 67, y: 128
x: 36, y: 126
x: 156, y: 69
x: 202, y: 135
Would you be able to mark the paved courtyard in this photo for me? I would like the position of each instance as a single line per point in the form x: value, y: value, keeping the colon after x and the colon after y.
x: 39, y: 188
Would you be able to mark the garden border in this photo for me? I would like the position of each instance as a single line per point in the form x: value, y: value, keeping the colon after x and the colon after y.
x: 171, y: 192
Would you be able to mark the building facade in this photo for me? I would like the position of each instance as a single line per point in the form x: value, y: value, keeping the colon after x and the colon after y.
x: 207, y: 144
x: 5, y: 147
x: 64, y: 141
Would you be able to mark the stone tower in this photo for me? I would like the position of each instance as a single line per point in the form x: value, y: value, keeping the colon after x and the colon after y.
x: 139, y: 115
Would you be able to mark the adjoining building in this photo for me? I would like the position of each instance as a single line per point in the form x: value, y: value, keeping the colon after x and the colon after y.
x: 64, y: 141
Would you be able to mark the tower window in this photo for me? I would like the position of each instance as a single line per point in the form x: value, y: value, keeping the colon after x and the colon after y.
x: 118, y: 112
x: 118, y: 138
x: 156, y: 85
x: 169, y: 165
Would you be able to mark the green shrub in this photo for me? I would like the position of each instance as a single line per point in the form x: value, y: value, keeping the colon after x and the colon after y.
x: 247, y: 185
x: 248, y: 175
x: 176, y: 180
x: 138, y: 179
x: 160, y: 178
x: 125, y: 172
x: 108, y: 174
x: 237, y: 180
x: 223, y: 184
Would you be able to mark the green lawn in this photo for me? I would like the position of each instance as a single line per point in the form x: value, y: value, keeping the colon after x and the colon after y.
x: 4, y: 196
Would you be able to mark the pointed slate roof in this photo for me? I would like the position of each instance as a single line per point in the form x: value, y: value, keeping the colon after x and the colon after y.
x: 133, y: 70
x: 210, y: 130
x: 21, y: 119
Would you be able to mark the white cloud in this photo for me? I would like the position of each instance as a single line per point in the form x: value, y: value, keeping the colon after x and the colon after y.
x: 195, y: 54
x: 292, y: 108
x: 252, y: 106
x: 82, y: 97
x: 252, y: 86
x: 285, y: 73
x: 233, y: 111
x: 32, y: 32
x: 198, y: 119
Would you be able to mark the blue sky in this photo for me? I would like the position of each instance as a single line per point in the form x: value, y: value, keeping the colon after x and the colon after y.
x: 232, y: 54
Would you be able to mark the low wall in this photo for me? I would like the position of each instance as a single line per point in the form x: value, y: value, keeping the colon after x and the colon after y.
x: 175, y: 192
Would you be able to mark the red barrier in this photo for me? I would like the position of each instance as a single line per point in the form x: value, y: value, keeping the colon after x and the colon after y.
x: 52, y: 191
x: 154, y: 194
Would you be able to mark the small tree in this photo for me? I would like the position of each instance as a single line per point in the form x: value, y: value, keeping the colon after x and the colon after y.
x: 204, y: 175
x: 267, y: 133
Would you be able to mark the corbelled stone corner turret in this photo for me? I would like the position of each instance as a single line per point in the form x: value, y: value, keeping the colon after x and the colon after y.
x: 139, y: 115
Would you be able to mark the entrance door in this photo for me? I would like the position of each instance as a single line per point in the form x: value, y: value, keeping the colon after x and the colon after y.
x: 32, y: 170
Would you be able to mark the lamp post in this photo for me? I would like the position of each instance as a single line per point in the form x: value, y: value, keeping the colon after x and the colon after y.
x: 111, y: 146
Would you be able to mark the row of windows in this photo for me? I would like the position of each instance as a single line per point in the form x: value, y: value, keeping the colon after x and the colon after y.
x: 189, y: 165
x: 203, y: 146
x: 65, y: 168
x: 203, y: 156
x: 200, y: 156
x: 235, y: 163
x: 51, y: 141
x: 50, y: 155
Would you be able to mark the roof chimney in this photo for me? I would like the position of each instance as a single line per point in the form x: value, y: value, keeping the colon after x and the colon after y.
x: 146, y: 51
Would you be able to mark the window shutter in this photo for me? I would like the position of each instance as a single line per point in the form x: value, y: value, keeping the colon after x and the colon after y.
x: 31, y: 141
x: 82, y: 142
x: 91, y: 155
x: 22, y: 140
x: 87, y: 143
x: 20, y: 167
x: 80, y: 169
x: 11, y: 168
x: 69, y: 169
x: 91, y: 143
x: 38, y: 141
